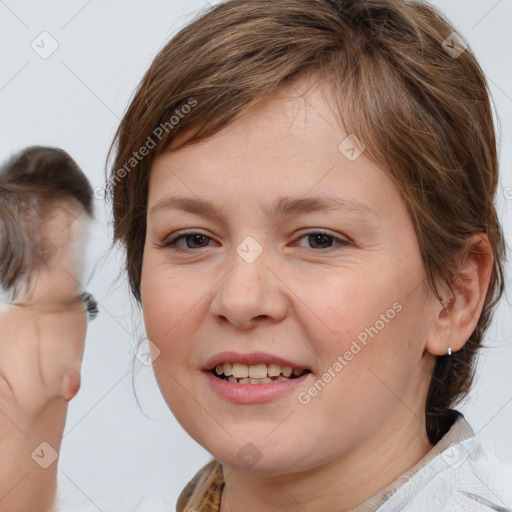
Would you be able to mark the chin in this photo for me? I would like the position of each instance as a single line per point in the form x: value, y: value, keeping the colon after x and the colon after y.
x: 257, y: 455
x: 259, y: 467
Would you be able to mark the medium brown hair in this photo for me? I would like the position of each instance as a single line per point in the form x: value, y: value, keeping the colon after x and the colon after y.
x: 30, y: 182
x: 422, y: 114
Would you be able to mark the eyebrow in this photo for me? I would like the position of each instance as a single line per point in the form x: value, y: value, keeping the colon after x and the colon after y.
x: 284, y: 206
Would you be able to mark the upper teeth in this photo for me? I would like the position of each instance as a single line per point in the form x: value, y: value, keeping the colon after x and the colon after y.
x: 256, y: 371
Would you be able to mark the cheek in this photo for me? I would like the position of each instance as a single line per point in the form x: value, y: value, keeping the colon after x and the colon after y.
x: 350, y: 306
x: 166, y: 301
x: 365, y: 325
x: 167, y: 306
x: 168, y: 295
x: 366, y: 366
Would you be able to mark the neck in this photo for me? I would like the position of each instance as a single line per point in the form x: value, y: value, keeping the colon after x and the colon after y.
x: 341, y: 484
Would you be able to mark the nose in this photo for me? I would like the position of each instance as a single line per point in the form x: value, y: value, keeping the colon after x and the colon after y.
x: 250, y: 294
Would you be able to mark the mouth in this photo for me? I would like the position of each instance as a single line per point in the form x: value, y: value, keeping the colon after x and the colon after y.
x: 240, y: 373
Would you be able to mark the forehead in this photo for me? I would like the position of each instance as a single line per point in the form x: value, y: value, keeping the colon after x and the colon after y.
x: 293, y: 143
x: 291, y: 102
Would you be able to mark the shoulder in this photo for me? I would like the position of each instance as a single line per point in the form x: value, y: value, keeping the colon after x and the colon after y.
x: 464, y: 476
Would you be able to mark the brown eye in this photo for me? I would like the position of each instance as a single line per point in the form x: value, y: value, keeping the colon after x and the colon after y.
x: 192, y: 241
x: 321, y: 240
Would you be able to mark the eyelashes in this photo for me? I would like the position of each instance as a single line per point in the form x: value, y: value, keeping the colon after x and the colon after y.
x: 173, y: 241
x: 317, y: 238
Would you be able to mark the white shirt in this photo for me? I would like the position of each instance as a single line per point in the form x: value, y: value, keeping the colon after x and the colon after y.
x: 457, y: 475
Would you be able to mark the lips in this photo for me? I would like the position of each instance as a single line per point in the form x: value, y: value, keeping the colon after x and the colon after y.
x: 255, y: 391
x: 253, y: 368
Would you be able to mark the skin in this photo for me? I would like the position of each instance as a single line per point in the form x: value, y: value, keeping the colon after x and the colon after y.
x: 42, y: 337
x: 298, y: 301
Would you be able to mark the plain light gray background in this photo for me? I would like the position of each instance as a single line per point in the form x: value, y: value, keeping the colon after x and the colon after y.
x: 113, y: 456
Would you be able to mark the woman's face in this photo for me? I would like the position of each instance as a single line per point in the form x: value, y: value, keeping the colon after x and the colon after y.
x: 299, y: 253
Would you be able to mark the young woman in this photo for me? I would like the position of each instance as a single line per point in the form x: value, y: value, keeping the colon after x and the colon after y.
x: 305, y: 191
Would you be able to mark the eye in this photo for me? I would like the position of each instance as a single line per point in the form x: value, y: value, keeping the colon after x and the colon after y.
x: 192, y: 239
x: 197, y: 240
x: 322, y: 240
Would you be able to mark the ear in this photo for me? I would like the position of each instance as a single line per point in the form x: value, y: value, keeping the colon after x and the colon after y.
x: 457, y: 317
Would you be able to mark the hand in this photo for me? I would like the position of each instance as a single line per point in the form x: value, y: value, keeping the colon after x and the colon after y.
x: 45, y: 206
x: 42, y: 334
